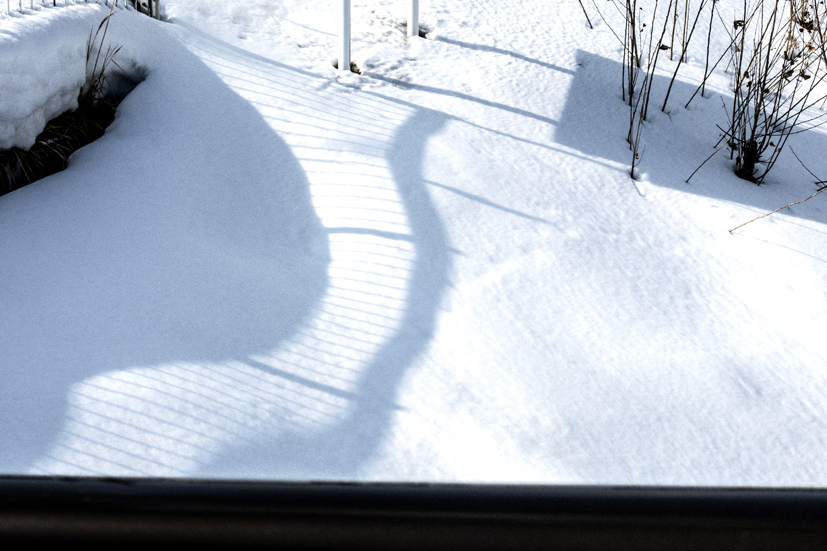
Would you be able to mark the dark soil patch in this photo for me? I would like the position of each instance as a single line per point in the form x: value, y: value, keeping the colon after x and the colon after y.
x: 62, y: 136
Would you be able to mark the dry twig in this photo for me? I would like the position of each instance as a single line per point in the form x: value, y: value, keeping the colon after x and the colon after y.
x: 779, y: 208
x: 818, y: 182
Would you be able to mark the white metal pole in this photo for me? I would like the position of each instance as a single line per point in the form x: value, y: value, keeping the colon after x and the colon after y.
x: 344, y: 47
x: 413, y: 18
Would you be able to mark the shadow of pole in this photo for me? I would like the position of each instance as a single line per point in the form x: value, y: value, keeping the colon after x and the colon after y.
x: 492, y: 49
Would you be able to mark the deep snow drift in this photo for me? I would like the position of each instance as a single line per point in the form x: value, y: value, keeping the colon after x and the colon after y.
x: 437, y: 270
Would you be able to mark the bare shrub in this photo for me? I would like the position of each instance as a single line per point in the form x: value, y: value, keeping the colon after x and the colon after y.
x: 778, y: 56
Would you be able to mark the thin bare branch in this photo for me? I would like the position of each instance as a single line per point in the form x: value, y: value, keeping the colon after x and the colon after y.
x: 779, y: 208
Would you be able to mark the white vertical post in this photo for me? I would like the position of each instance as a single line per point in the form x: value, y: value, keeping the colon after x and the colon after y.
x: 344, y: 47
x: 413, y: 18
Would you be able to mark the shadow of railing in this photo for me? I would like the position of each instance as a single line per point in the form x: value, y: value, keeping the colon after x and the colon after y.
x: 341, y: 449
x: 316, y: 397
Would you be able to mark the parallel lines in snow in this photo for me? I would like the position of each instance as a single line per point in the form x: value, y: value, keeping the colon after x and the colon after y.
x: 171, y: 419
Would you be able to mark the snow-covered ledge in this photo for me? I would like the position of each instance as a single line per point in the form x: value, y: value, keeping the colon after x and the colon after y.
x: 35, y: 92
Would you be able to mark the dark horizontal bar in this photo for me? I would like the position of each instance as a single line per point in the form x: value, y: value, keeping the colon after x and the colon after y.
x: 175, y: 513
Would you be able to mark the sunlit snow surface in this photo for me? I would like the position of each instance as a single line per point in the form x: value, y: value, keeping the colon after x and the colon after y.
x: 437, y: 270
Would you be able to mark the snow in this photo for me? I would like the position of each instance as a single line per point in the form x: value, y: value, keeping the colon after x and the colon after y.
x: 438, y: 270
x: 35, y: 92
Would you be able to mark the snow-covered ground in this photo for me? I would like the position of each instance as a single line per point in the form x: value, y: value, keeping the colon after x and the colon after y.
x: 437, y: 270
